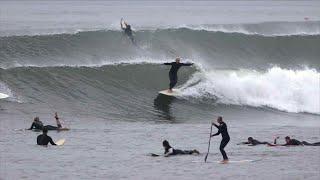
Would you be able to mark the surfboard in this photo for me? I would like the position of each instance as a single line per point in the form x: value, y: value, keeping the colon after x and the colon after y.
x: 3, y: 96
x: 230, y: 162
x: 175, y: 92
x: 60, y: 142
x: 63, y: 129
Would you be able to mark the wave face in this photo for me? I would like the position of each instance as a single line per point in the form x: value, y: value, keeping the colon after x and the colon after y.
x: 211, y: 49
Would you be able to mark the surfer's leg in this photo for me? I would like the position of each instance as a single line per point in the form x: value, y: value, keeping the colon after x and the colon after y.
x: 223, y: 144
x: 173, y: 81
x: 49, y: 127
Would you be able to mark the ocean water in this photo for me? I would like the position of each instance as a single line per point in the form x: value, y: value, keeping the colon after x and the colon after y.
x: 256, y: 63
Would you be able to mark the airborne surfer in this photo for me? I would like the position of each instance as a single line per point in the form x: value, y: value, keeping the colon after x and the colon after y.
x: 173, y: 73
x: 127, y: 30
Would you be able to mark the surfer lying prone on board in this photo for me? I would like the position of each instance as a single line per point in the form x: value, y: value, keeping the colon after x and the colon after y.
x: 173, y: 73
x: 170, y: 151
x: 127, y: 30
x: 253, y: 142
x: 44, y: 139
x: 38, y: 125
x: 293, y: 142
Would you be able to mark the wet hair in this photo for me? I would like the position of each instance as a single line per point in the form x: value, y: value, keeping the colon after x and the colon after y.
x: 45, y: 130
x: 165, y: 143
x: 250, y: 138
x: 220, y: 118
x: 178, y: 59
x: 287, y: 137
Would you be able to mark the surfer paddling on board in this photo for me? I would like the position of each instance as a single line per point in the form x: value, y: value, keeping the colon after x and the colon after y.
x: 293, y: 142
x: 170, y: 151
x: 38, y: 125
x: 127, y: 30
x: 173, y: 73
x: 43, y: 139
x: 222, y: 129
x: 253, y: 142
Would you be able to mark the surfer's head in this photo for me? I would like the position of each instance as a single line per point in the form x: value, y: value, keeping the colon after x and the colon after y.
x: 44, y: 130
x: 250, y: 139
x: 287, y: 138
x: 36, y: 119
x: 178, y: 60
x: 166, y: 144
x: 219, y: 120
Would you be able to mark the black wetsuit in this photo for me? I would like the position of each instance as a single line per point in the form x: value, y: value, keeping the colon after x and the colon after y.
x: 222, y: 129
x: 177, y: 151
x: 310, y: 144
x: 255, y: 142
x: 173, y: 73
x: 40, y: 126
x: 128, y: 32
x: 44, y: 139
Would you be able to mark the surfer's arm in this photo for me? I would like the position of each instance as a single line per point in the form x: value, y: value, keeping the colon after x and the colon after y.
x: 216, y: 134
x: 51, y: 142
x: 167, y: 63
x: 32, y: 125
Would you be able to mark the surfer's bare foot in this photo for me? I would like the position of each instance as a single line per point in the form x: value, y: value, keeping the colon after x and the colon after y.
x: 196, y: 151
x: 225, y: 161
x: 170, y: 91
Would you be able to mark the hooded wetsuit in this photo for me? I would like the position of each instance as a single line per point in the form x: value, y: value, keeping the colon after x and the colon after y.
x: 222, y: 129
x: 173, y: 73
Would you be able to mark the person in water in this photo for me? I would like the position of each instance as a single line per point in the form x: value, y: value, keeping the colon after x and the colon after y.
x: 173, y: 73
x: 127, y: 30
x: 170, y: 151
x: 43, y: 139
x: 38, y: 125
x: 253, y: 142
x: 294, y: 142
x: 223, y: 130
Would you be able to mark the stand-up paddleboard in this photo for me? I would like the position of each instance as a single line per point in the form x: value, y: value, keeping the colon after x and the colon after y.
x: 175, y: 92
x: 230, y: 162
x: 3, y: 96
x: 60, y: 142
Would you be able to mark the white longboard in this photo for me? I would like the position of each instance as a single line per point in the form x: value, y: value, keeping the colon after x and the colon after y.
x: 175, y: 92
x: 60, y: 142
x: 3, y: 96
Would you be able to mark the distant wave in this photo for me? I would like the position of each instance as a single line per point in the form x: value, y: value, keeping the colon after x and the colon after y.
x: 212, y: 49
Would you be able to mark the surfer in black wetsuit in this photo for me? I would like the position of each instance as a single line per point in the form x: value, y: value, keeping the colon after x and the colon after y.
x: 127, y: 30
x: 170, y: 151
x: 222, y: 129
x: 294, y: 142
x: 38, y: 125
x: 173, y: 73
x: 253, y: 142
x: 44, y: 139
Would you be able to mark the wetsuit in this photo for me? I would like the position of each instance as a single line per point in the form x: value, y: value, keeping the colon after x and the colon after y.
x: 44, y: 139
x: 173, y: 73
x: 255, y: 142
x: 128, y: 32
x: 222, y: 129
x: 171, y: 151
x: 39, y: 126
x: 310, y: 144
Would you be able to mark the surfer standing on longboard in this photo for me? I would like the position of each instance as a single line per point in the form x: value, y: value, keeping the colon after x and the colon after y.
x: 173, y: 73
x: 127, y: 30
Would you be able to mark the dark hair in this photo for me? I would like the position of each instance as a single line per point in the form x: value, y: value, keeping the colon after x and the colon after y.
x: 287, y: 137
x: 250, y: 138
x: 45, y: 130
x: 165, y: 143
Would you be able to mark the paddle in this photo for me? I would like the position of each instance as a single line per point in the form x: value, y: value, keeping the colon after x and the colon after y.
x: 205, y: 159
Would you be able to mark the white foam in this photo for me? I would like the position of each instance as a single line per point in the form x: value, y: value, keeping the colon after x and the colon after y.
x: 283, y: 89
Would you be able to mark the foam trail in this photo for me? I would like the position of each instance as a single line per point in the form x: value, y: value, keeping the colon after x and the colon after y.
x: 5, y: 90
x: 283, y: 89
